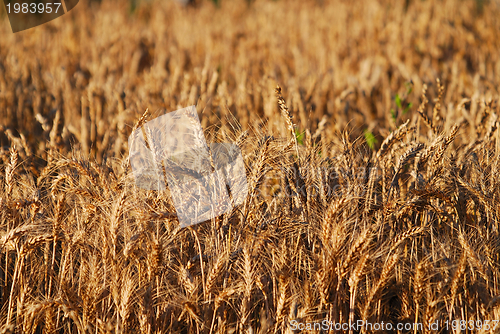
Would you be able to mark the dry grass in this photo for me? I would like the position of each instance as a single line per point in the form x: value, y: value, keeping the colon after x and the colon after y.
x: 331, y: 229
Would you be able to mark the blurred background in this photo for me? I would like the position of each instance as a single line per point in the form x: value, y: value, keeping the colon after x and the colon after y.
x: 361, y: 64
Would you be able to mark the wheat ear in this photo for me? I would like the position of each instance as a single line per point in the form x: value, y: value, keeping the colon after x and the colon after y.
x: 288, y: 118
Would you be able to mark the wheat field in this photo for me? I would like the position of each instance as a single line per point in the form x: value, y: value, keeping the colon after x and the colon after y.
x: 369, y: 132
